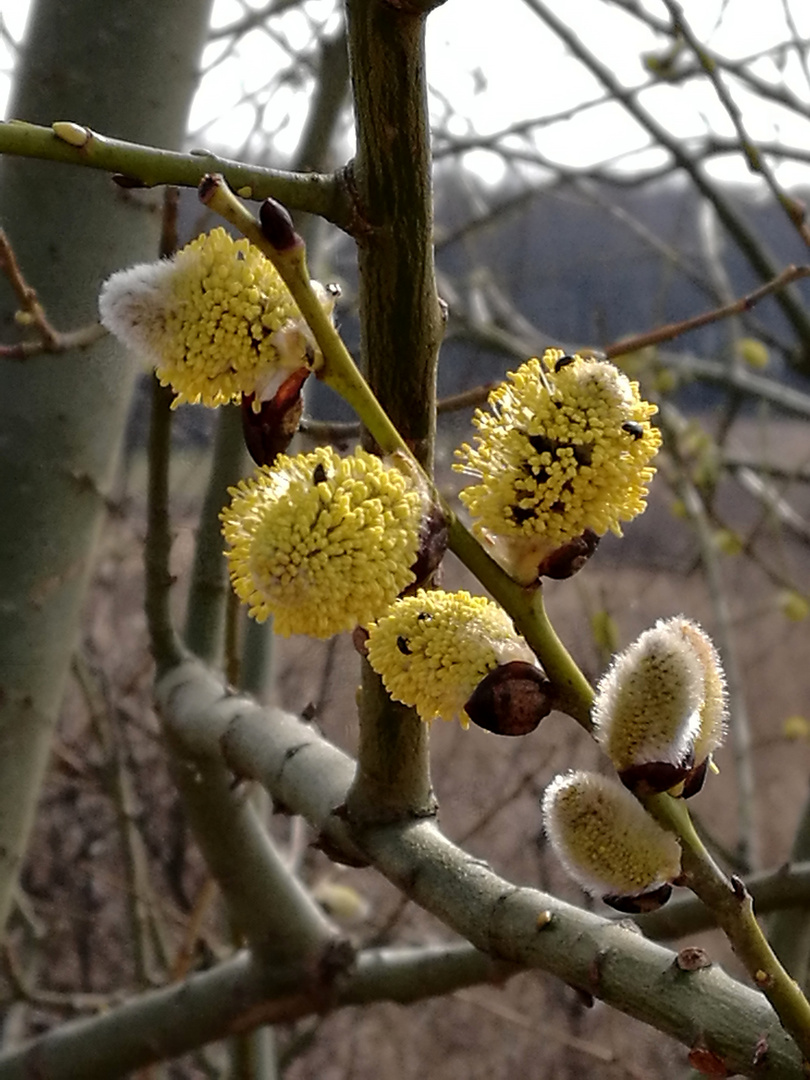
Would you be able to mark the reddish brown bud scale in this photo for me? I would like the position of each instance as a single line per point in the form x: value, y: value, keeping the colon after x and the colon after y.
x: 570, y: 558
x: 706, y: 1062
x: 270, y: 431
x: 642, y: 903
x: 360, y: 640
x: 210, y: 183
x: 695, y: 780
x: 653, y: 777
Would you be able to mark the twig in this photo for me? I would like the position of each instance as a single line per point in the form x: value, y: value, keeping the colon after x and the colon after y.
x: 164, y: 641
x: 772, y: 890
x: 736, y: 307
x: 554, y: 1032
x: 252, y: 19
x: 732, y: 907
x: 146, y: 166
x: 209, y: 578
x: 191, y: 935
x: 138, y: 889
x: 257, y: 668
x: 52, y: 999
x: 32, y: 313
x: 240, y: 995
x: 748, y: 244
x: 343, y: 430
x: 789, y: 932
x: 756, y: 162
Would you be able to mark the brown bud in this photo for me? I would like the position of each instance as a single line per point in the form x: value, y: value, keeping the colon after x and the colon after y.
x: 695, y: 780
x: 360, y: 640
x: 511, y: 700
x: 642, y: 903
x: 269, y: 432
x: 738, y: 888
x: 209, y: 184
x: 277, y: 225
x: 693, y: 959
x: 571, y: 557
x: 652, y: 777
x: 432, y: 545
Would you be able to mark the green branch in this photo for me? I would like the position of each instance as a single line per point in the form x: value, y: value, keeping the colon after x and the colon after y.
x: 775, y: 890
x: 134, y: 165
x: 309, y: 776
x: 209, y: 586
x: 163, y: 638
x: 240, y: 995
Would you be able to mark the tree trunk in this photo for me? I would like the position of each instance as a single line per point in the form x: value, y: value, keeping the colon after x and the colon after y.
x: 127, y: 69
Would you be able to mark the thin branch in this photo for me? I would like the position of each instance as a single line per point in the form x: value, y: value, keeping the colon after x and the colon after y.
x: 673, y: 330
x: 240, y: 995
x: 266, y: 902
x: 138, y: 888
x: 51, y: 999
x: 789, y: 931
x: 752, y: 154
x: 746, y: 241
x: 32, y: 314
x: 252, y: 19
x: 747, y: 845
x: 146, y: 166
x: 209, y: 577
x: 740, y: 68
x: 555, y: 1032
x: 164, y: 641
x: 772, y: 890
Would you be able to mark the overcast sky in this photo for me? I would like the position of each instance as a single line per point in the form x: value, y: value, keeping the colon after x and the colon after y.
x: 492, y: 64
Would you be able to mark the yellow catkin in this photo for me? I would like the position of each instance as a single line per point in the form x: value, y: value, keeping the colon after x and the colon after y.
x: 565, y: 446
x: 322, y: 543
x: 433, y: 648
x: 216, y: 321
x: 604, y: 837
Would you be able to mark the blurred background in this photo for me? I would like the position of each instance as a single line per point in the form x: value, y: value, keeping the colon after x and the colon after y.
x: 602, y: 168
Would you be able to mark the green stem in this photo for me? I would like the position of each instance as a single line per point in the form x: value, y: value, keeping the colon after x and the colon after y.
x: 164, y: 641
x: 574, y: 694
x: 338, y: 368
x: 209, y: 579
x: 731, y: 905
x: 789, y: 931
x: 148, y: 166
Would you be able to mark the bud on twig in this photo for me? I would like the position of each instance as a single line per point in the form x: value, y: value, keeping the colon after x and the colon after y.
x: 511, y: 700
x: 277, y: 226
